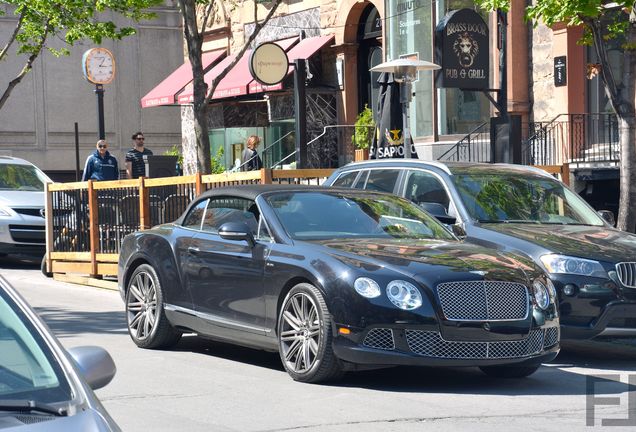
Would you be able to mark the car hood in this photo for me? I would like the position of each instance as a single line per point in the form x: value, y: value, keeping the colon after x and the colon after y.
x: 591, y: 242
x: 22, y: 198
x: 430, y: 258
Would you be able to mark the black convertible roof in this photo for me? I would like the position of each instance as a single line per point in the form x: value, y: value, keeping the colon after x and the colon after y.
x: 253, y: 190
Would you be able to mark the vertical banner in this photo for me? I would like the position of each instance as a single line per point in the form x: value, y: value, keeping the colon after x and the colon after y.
x: 388, y: 138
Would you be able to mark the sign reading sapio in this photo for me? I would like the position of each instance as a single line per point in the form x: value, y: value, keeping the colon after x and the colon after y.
x: 462, y: 49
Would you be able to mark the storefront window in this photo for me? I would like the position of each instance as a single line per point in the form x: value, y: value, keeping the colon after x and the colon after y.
x: 459, y: 112
x: 409, y: 33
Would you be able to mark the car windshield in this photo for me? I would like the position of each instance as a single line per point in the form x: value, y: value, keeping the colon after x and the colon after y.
x: 522, y: 198
x: 29, y: 371
x: 321, y: 215
x: 21, y: 178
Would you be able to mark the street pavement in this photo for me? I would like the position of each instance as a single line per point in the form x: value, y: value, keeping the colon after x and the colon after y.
x: 208, y: 386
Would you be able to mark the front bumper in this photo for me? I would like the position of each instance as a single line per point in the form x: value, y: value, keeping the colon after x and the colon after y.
x: 386, y: 346
x: 615, y: 310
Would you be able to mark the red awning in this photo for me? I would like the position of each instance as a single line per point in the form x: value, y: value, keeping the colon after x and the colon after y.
x: 303, y: 50
x: 239, y: 80
x: 164, y: 93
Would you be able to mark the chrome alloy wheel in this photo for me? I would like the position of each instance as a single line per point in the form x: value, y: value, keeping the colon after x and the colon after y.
x: 300, y: 335
x: 142, y: 306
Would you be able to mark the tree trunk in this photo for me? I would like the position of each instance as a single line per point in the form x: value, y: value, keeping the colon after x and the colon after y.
x: 627, y: 137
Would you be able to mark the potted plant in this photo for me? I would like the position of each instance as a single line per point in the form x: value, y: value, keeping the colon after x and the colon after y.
x: 363, y: 133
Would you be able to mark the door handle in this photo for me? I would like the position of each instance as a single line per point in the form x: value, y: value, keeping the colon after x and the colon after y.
x: 193, y: 250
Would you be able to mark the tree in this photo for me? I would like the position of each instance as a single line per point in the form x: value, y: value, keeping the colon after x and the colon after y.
x: 602, y: 21
x: 36, y: 22
x: 198, y: 17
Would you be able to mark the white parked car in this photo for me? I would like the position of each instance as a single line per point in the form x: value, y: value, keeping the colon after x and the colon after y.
x: 22, y: 224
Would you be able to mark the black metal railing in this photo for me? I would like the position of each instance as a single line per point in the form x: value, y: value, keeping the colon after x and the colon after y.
x: 576, y: 139
x: 474, y: 147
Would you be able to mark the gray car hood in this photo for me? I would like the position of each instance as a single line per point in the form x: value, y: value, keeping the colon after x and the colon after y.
x: 14, y: 198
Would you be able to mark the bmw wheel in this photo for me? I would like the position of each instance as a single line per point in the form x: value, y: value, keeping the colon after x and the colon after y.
x: 305, y: 336
x: 147, y: 323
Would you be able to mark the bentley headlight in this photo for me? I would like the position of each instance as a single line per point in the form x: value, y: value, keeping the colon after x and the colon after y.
x: 404, y: 295
x: 541, y: 295
x: 367, y: 287
x: 570, y: 265
x: 551, y: 289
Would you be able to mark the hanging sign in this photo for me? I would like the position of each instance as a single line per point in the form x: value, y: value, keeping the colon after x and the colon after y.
x: 560, y: 71
x: 269, y: 64
x: 462, y: 49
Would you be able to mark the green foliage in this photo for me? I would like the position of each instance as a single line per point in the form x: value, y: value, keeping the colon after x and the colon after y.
x: 72, y: 20
x: 217, y: 162
x: 174, y: 151
x: 364, y: 128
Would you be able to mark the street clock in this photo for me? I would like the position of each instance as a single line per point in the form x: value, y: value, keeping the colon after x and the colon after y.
x: 98, y: 65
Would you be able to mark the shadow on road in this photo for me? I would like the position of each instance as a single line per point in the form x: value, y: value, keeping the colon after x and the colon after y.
x: 560, y: 377
x: 20, y: 263
x: 70, y: 323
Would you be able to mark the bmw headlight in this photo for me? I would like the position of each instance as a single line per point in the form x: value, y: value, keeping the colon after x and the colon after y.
x: 404, y: 295
x: 367, y: 287
x: 541, y: 294
x: 570, y: 265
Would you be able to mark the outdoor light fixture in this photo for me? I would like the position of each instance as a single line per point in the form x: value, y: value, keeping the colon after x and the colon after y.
x: 405, y: 72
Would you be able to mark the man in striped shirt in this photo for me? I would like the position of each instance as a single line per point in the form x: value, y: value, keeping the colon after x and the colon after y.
x: 135, y: 166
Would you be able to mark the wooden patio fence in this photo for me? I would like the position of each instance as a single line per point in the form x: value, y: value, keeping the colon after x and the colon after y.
x: 86, y: 221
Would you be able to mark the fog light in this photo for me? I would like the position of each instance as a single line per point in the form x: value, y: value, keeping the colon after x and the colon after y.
x: 569, y: 289
x: 344, y: 331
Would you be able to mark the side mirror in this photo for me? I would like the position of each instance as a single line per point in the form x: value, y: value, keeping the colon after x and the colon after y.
x: 237, y: 231
x: 95, y: 364
x: 439, y: 211
x: 608, y: 216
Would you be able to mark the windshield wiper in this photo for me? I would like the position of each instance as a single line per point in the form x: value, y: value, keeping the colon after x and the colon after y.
x: 25, y: 405
x: 523, y: 221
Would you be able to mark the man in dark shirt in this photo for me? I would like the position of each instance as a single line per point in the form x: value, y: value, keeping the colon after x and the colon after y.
x: 101, y: 165
x: 135, y: 166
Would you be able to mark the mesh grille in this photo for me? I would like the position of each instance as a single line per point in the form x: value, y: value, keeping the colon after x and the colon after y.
x: 32, y: 419
x: 627, y: 273
x: 431, y: 344
x: 551, y: 337
x: 483, y: 301
x: 380, y: 338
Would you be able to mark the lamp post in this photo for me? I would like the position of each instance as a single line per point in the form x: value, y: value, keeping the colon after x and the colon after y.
x: 405, y: 72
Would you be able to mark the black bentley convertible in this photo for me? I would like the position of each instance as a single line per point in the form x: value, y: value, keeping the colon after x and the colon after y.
x: 335, y: 280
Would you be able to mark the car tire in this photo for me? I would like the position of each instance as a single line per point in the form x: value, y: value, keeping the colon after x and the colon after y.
x: 509, y: 371
x: 146, y: 320
x: 305, y: 336
x: 43, y: 268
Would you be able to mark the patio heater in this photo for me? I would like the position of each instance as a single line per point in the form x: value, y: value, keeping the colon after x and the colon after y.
x: 405, y: 72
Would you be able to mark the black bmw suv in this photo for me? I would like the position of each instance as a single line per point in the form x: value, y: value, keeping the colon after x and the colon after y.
x: 524, y: 210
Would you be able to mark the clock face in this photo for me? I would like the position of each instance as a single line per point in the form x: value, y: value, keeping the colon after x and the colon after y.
x: 99, y: 66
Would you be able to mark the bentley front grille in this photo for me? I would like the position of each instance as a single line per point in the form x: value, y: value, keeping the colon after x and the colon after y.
x: 627, y: 273
x: 379, y: 338
x: 484, y: 301
x: 431, y: 344
x: 551, y: 337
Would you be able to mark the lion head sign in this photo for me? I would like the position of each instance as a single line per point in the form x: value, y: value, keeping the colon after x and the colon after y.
x: 462, y: 49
